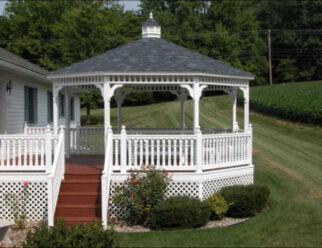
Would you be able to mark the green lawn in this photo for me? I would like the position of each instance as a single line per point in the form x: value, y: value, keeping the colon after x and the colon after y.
x: 300, y: 102
x: 287, y: 158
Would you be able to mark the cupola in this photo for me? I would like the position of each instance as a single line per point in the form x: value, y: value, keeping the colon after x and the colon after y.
x: 151, y: 29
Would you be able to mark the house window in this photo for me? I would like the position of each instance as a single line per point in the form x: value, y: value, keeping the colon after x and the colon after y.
x: 49, y: 106
x: 30, y: 104
x: 61, y: 105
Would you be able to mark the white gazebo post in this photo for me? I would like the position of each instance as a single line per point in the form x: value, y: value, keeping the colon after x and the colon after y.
x: 196, y: 98
x: 233, y: 97
x: 107, y: 107
x: 67, y: 123
x: 107, y: 91
x: 56, y: 90
x: 182, y: 96
x: 119, y: 98
x: 246, y: 107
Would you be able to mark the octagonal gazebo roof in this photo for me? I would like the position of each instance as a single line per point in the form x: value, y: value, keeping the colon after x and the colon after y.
x: 151, y: 54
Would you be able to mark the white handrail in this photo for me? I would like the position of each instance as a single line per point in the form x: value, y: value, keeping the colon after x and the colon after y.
x: 55, y: 177
x: 106, y: 176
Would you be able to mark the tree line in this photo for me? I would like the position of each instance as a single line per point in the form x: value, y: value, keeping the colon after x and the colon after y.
x: 54, y: 34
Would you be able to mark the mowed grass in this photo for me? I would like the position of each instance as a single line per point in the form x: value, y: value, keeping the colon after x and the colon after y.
x: 287, y: 158
x: 300, y: 102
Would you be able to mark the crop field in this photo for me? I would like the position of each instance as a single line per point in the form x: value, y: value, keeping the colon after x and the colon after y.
x: 301, y: 102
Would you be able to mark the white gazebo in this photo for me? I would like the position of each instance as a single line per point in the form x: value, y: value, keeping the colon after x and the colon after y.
x: 200, y: 161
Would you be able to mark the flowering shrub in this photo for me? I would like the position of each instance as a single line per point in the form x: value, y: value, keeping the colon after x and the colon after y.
x: 18, y: 203
x: 140, y: 193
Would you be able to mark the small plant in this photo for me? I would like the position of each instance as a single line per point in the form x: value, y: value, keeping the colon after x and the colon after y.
x: 180, y: 211
x: 218, y: 206
x: 140, y: 193
x: 80, y: 236
x: 18, y: 205
x: 245, y: 200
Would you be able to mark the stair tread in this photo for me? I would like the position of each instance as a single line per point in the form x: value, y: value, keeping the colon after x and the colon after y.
x: 81, y: 181
x: 81, y: 218
x: 77, y: 193
x: 66, y: 206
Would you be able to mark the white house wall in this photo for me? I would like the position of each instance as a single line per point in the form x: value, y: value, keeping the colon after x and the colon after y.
x: 15, y: 105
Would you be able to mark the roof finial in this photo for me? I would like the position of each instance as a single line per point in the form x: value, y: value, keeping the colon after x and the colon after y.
x: 151, y: 15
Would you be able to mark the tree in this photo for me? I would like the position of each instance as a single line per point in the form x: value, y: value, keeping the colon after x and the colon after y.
x: 296, y: 38
x: 224, y: 30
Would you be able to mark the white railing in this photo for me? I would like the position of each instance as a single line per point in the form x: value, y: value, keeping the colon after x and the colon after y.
x: 27, y: 152
x: 88, y: 140
x: 85, y: 140
x: 168, y: 152
x: 224, y: 150
x: 180, y: 152
x: 55, y: 177
x: 106, y: 176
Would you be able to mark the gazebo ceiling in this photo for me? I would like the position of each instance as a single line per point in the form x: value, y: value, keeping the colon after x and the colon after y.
x: 151, y: 54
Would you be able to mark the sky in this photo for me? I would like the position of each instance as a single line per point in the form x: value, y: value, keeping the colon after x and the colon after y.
x: 129, y: 5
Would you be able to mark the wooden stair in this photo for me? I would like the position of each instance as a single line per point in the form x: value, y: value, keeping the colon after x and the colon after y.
x: 79, y: 199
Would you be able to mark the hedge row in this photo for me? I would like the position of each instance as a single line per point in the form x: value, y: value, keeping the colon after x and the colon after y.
x: 301, y: 102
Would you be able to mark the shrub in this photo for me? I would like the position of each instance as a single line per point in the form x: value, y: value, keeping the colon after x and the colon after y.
x: 140, y: 193
x: 218, y: 206
x: 180, y: 211
x: 88, y: 235
x: 245, y: 200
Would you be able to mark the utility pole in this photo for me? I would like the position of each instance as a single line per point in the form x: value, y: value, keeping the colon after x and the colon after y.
x: 270, y: 58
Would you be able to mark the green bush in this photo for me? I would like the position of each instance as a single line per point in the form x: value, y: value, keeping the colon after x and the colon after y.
x: 180, y: 211
x: 140, y: 193
x: 81, y: 236
x: 245, y: 200
x: 218, y: 206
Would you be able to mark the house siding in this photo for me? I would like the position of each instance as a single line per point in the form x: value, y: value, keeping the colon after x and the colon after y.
x: 15, y: 106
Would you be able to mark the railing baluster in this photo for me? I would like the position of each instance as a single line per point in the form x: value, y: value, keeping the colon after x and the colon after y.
x: 152, y: 152
x: 158, y: 153
x: 180, y: 153
x: 146, y: 146
x: 186, y: 152
x: 135, y: 152
x: 163, y: 152
x: 169, y: 152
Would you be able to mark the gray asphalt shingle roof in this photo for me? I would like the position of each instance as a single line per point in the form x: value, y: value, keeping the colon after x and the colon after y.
x: 18, y: 61
x: 151, y: 55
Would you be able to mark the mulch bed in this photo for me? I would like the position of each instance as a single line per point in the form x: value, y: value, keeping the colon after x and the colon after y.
x: 18, y: 236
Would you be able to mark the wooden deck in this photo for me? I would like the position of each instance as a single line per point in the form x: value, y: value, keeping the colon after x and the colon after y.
x: 84, y: 164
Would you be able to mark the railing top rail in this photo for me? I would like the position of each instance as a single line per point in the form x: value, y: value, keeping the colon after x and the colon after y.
x: 157, y: 136
x: 219, y: 135
x: 26, y: 136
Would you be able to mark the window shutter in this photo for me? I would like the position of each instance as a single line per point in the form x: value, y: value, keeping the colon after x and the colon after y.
x: 26, y: 92
x: 72, y: 109
x: 61, y: 105
x: 49, y: 106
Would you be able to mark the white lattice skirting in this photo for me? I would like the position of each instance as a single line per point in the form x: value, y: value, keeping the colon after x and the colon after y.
x: 37, y: 201
x: 198, y: 186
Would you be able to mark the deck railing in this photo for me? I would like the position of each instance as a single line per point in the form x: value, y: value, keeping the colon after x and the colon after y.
x: 55, y: 177
x: 224, y: 150
x: 27, y: 152
x: 180, y: 152
x: 106, y: 176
